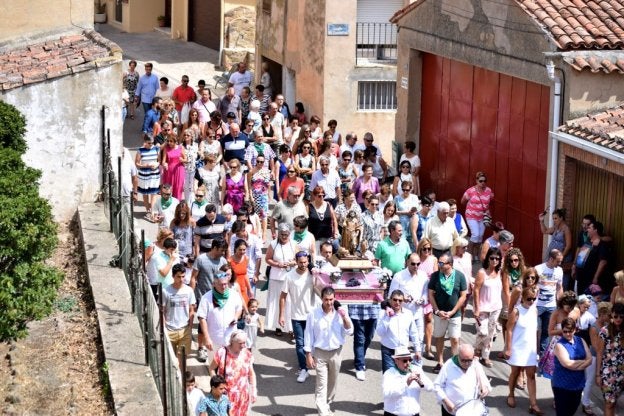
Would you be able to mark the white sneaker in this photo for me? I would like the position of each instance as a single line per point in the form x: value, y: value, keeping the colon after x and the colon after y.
x: 360, y: 375
x: 303, y: 375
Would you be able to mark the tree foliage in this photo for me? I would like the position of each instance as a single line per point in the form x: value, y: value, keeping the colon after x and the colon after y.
x: 27, y: 234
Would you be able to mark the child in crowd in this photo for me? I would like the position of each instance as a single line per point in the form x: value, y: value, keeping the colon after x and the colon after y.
x: 385, y: 196
x: 253, y: 322
x: 194, y: 396
x: 216, y: 403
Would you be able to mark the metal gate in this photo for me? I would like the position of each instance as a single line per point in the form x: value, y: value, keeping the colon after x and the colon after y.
x: 205, y: 23
x: 599, y: 192
x: 473, y: 119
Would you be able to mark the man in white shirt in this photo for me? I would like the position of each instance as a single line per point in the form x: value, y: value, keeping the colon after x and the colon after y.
x: 351, y: 144
x: 550, y: 284
x: 239, y: 79
x: 329, y: 180
x: 402, y: 385
x: 325, y: 334
x: 413, y: 283
x: 179, y: 310
x: 461, y: 378
x: 441, y: 230
x: 298, y: 286
x: 219, y: 310
x: 396, y: 328
x: 278, y: 122
x: 164, y: 207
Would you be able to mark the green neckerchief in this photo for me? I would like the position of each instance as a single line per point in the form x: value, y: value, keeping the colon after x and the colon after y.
x: 166, y: 204
x: 259, y: 148
x: 201, y: 203
x: 455, y: 359
x: 514, y: 274
x: 221, y: 298
x: 300, y: 235
x: 448, y: 283
x: 399, y: 370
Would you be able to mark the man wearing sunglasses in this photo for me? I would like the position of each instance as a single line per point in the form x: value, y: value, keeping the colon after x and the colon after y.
x: 447, y: 294
x: 462, y: 383
x: 402, y: 385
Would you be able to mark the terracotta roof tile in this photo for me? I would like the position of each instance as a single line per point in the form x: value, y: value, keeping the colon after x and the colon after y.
x: 66, y: 55
x: 596, y: 61
x: 572, y: 24
x: 604, y: 129
x: 575, y: 24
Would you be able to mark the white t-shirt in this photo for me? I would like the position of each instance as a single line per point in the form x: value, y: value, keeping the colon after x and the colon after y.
x: 302, y: 298
x: 239, y: 81
x: 177, y: 306
x: 549, y: 281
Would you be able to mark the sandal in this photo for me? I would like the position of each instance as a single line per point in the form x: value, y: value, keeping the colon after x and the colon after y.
x: 534, y: 410
x: 587, y: 410
x: 437, y: 368
x: 511, y: 401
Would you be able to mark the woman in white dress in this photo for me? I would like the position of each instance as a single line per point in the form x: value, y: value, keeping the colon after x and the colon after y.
x: 405, y: 175
x: 209, y: 176
x: 521, y: 333
x: 280, y: 256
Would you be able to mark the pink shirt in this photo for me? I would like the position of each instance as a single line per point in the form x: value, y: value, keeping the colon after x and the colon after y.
x: 490, y: 295
x: 478, y: 202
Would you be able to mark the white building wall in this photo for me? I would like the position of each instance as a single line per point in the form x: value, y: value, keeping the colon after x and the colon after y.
x: 63, y: 133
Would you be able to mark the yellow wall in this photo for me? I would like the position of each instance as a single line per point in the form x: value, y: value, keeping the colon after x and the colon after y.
x: 179, y: 19
x: 589, y: 92
x: 138, y: 15
x: 28, y: 19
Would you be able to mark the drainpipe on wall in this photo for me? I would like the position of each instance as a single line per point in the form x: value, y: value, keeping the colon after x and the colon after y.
x: 554, y: 146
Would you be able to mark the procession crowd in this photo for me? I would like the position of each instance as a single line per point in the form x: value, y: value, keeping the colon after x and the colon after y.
x: 206, y: 174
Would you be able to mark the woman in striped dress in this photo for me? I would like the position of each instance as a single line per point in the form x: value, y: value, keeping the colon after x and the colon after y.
x: 148, y: 172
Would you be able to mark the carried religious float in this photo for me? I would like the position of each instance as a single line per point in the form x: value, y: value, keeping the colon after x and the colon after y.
x: 354, y: 277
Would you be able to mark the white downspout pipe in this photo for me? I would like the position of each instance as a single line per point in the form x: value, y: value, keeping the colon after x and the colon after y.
x: 554, y: 143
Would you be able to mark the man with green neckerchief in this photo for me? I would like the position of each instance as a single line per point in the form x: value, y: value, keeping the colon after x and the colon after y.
x: 447, y: 293
x: 219, y: 310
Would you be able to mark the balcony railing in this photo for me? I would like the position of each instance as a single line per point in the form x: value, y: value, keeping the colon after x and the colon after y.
x: 375, y: 43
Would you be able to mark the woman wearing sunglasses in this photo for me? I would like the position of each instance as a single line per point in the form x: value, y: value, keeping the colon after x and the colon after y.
x: 521, y: 332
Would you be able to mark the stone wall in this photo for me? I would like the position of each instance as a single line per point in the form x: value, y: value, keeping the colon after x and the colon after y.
x: 63, y: 133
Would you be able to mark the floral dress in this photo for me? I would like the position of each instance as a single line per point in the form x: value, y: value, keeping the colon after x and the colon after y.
x: 131, y: 80
x: 612, y: 370
x: 260, y: 185
x: 236, y: 372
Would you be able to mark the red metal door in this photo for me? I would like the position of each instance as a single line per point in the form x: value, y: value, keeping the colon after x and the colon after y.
x: 473, y: 119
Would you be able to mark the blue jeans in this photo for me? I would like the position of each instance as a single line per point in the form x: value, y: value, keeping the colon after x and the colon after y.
x: 298, y: 330
x: 543, y: 315
x: 363, y: 333
x: 387, y: 361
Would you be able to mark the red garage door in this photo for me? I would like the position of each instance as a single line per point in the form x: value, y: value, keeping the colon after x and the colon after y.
x: 473, y: 119
x: 205, y: 23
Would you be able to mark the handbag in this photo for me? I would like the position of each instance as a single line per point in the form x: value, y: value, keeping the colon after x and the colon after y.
x: 184, y: 114
x: 487, y: 217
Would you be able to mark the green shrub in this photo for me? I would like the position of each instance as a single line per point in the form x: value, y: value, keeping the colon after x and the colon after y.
x: 27, y: 235
x: 12, y: 128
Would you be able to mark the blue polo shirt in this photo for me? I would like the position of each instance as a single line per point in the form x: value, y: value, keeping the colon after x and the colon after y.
x: 234, y: 148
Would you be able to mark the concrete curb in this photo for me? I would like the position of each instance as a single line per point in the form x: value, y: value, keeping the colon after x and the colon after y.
x: 132, y: 384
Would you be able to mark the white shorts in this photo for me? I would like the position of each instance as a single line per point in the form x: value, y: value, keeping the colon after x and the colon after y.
x: 442, y: 327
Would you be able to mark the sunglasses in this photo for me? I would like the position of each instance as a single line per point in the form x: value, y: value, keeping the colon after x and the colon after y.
x: 442, y: 263
x: 347, y: 159
x: 199, y: 195
x: 291, y: 171
x: 568, y: 331
x: 397, y: 300
x: 415, y: 264
x: 305, y: 147
x: 406, y: 360
x: 265, y: 118
x: 530, y: 299
x: 426, y: 249
x: 514, y: 260
x: 494, y: 258
x: 531, y: 277
x: 482, y: 181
